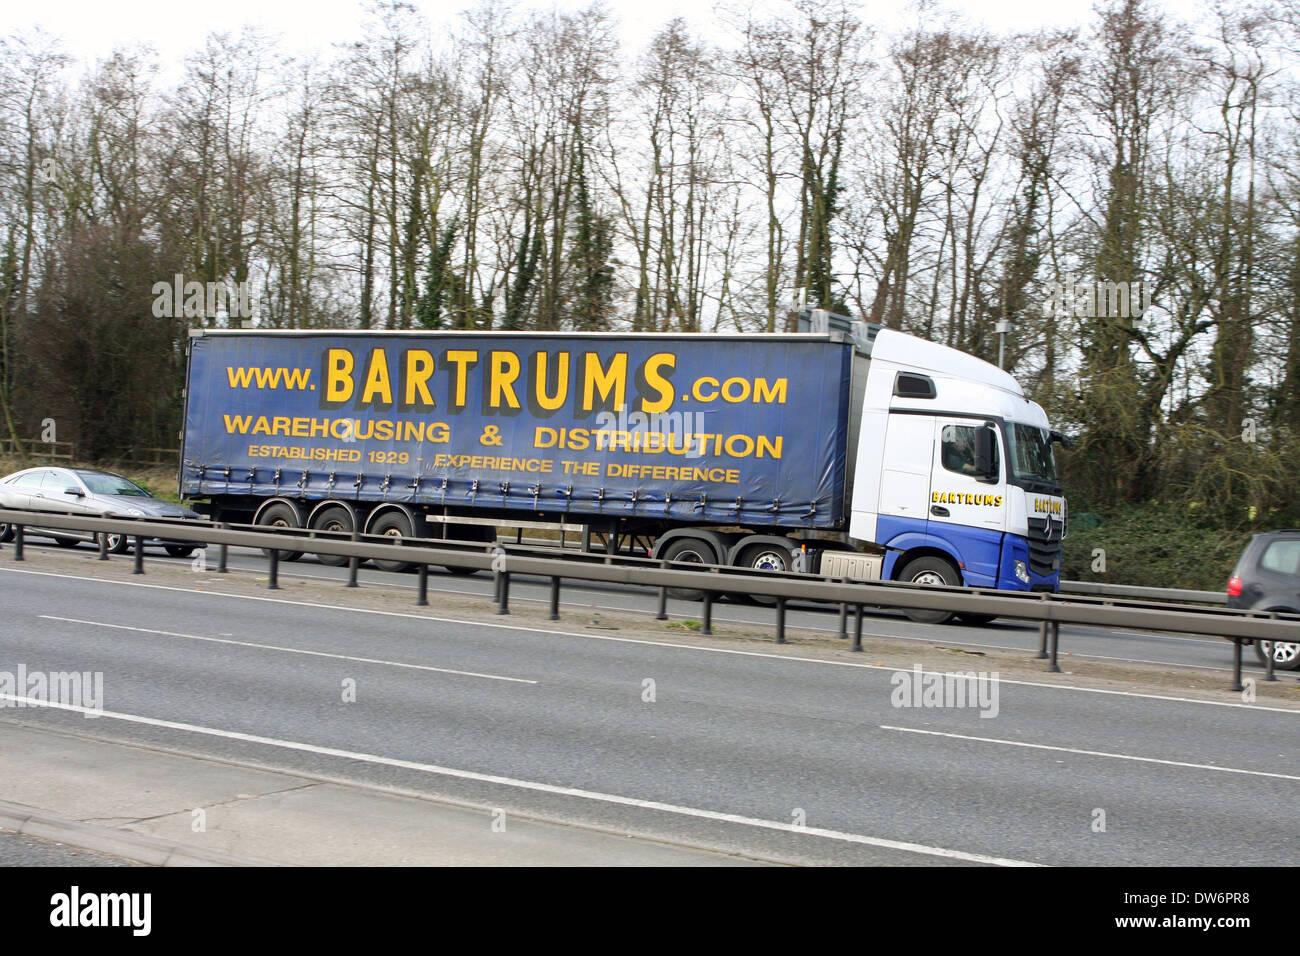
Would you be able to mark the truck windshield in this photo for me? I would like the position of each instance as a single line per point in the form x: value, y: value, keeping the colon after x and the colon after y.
x: 1029, y: 451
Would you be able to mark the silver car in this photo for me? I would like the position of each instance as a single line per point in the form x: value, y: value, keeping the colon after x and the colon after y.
x: 84, y: 491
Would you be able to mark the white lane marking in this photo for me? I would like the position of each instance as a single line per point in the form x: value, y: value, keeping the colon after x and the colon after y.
x: 533, y: 785
x: 289, y: 650
x: 634, y: 640
x: 1091, y: 753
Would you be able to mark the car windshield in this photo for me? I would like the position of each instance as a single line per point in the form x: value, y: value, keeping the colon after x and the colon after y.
x: 102, y: 483
x: 1030, y: 452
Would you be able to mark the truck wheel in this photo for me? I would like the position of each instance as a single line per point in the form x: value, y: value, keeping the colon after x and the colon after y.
x: 395, y: 525
x: 336, y: 520
x: 1286, y: 656
x: 765, y: 557
x: 930, y: 570
x: 688, y: 551
x: 280, y: 515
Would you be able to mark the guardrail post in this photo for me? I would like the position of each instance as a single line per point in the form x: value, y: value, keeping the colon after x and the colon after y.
x: 555, y: 599
x: 1054, y: 628
x: 422, y: 589
x: 1268, y: 658
x: 662, y: 613
x: 1042, y: 641
x: 103, y: 546
x: 18, y: 543
x: 224, y: 554
x: 1236, y: 665
x: 273, y: 579
x: 139, y: 555
x: 706, y: 625
x: 496, y: 587
x: 857, y: 628
x: 844, y: 622
x: 780, y: 620
x: 503, y: 607
x: 353, y: 563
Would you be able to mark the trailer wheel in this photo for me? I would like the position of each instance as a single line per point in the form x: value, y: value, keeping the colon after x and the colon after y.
x: 394, y: 525
x: 766, y: 557
x: 688, y: 551
x: 930, y: 570
x: 280, y: 515
x: 336, y: 520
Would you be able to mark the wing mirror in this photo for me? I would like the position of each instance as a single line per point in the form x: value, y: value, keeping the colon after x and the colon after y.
x: 986, y: 448
x: 74, y: 490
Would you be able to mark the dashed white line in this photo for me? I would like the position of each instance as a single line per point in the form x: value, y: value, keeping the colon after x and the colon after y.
x: 1091, y: 753
x: 289, y: 650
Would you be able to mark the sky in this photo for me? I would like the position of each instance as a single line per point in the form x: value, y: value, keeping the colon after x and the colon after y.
x: 91, y: 29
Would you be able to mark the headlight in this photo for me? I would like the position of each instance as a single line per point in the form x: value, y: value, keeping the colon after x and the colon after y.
x: 1022, y: 572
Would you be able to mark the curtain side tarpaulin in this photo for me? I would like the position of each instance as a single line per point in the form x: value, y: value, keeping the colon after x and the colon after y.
x: 697, y: 430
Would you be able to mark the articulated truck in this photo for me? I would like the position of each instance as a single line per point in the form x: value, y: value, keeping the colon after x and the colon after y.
x: 845, y: 449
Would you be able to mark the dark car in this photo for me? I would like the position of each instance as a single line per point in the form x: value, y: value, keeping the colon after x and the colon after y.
x: 86, y: 491
x: 1267, y: 578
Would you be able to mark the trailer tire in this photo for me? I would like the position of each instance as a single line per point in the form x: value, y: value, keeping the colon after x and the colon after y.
x: 929, y: 569
x: 393, y: 524
x: 280, y: 514
x: 765, y: 557
x: 336, y: 519
x: 688, y: 551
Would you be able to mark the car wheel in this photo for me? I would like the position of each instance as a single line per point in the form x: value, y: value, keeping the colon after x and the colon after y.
x: 117, y: 543
x: 1286, y: 656
x: 280, y: 516
x: 179, y: 550
x: 976, y: 620
x: 394, y: 525
x: 6, y: 532
x: 930, y: 570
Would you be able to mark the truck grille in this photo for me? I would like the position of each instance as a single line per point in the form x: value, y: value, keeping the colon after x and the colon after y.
x: 1045, y: 545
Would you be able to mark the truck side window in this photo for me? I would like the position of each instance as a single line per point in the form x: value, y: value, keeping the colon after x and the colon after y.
x: 1283, y: 557
x: 958, y: 453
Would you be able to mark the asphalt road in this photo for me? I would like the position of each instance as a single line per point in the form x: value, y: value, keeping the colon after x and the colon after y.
x: 1094, y: 643
x: 764, y: 755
